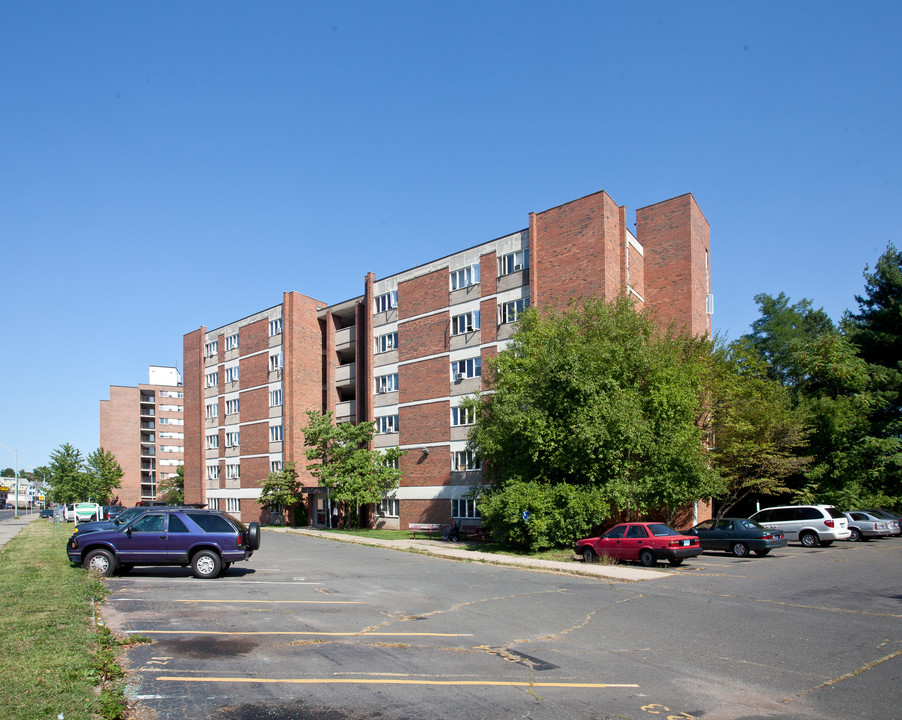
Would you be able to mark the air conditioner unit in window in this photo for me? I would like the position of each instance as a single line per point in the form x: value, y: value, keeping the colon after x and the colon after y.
x: 460, y: 376
x: 517, y: 267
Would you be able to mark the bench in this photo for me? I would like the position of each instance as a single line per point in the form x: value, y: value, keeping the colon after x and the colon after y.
x: 425, y: 528
x: 476, y: 531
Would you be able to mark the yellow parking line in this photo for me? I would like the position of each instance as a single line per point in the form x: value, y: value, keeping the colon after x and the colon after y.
x: 366, y: 681
x: 296, y: 632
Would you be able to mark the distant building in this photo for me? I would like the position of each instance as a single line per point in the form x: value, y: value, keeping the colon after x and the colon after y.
x: 406, y: 351
x: 144, y: 428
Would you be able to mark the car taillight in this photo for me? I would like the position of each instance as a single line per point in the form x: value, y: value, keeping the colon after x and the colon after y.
x: 828, y: 523
x: 768, y: 536
x: 674, y: 543
x: 241, y: 540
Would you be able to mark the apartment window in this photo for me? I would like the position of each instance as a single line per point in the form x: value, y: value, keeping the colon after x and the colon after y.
x: 387, y: 342
x: 231, y: 374
x: 393, y: 463
x: 464, y: 277
x: 231, y: 342
x: 513, y: 262
x: 233, y: 439
x: 511, y: 311
x: 275, y: 326
x: 212, y: 410
x: 213, y: 503
x: 233, y: 505
x: 213, y: 472
x: 231, y: 406
x: 212, y: 441
x: 172, y: 435
x: 171, y: 462
x: 468, y: 322
x: 463, y: 369
x: 171, y: 448
x: 171, y: 408
x: 275, y: 361
x: 233, y: 471
x: 211, y: 348
x: 387, y: 383
x: 275, y: 466
x: 465, y: 508
x: 387, y: 424
x: 465, y: 461
x: 172, y: 393
x: 275, y: 397
x: 463, y: 416
x: 172, y: 421
x: 386, y: 301
x: 275, y: 433
x: 212, y: 379
x: 388, y: 508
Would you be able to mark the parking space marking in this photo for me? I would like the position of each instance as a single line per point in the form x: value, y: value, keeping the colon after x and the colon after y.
x: 247, y: 602
x: 397, y: 681
x: 360, y: 633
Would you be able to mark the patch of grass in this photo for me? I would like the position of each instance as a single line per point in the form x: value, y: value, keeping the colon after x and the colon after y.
x: 55, y: 658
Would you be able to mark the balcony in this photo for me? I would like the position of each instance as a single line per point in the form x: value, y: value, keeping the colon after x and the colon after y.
x: 345, y: 338
x: 345, y: 375
x: 148, y: 425
x: 346, y: 411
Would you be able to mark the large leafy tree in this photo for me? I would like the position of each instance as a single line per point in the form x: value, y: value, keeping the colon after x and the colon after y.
x: 838, y: 392
x: 281, y: 488
x: 876, y: 330
x: 172, y: 490
x: 596, y: 396
x: 758, y: 434
x: 103, y: 474
x: 67, y: 470
x: 341, y: 460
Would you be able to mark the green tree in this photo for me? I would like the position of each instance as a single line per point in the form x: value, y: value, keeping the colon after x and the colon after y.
x: 67, y: 474
x: 281, y: 488
x: 8, y: 473
x: 759, y: 435
x: 102, y: 475
x: 172, y: 490
x: 596, y: 396
x: 354, y: 474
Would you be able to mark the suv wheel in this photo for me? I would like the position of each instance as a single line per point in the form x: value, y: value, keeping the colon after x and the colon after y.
x: 809, y: 539
x: 206, y: 564
x: 100, y: 561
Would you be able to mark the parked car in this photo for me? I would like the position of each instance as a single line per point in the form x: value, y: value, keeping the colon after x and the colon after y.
x: 47, y: 512
x: 98, y: 525
x: 893, y: 520
x: 738, y: 536
x: 864, y: 526
x: 110, y: 512
x: 644, y: 542
x: 208, y: 541
x: 808, y: 524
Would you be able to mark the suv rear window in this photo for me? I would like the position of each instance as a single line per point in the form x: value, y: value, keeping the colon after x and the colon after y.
x: 834, y: 513
x: 211, y: 523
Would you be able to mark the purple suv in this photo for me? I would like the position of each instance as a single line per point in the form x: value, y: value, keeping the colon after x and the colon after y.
x: 208, y: 541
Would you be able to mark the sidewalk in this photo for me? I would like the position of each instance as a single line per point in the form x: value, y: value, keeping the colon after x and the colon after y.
x: 460, y: 551
x: 9, y: 528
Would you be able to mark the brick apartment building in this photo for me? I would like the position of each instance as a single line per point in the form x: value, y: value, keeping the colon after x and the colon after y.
x: 411, y: 347
x: 144, y: 428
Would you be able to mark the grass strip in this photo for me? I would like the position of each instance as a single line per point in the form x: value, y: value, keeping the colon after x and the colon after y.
x: 55, y: 660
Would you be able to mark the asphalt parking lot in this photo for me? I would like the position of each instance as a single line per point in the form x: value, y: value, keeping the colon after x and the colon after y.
x: 313, y: 628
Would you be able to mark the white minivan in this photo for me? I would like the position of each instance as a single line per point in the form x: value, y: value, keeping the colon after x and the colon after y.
x: 808, y: 524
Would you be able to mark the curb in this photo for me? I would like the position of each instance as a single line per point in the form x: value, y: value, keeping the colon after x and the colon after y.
x: 620, y: 573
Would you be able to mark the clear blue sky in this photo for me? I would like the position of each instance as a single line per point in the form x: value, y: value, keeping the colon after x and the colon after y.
x: 167, y: 165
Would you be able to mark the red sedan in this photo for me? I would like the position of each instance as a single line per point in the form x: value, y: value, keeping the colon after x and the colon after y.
x: 644, y: 542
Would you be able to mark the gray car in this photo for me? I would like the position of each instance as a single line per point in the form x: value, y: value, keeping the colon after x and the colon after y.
x: 865, y: 526
x: 892, y: 520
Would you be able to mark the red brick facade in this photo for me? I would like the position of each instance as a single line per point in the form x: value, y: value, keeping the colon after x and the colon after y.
x: 580, y: 249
